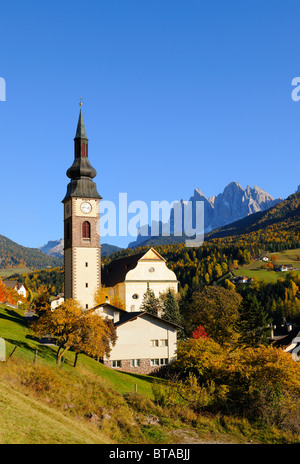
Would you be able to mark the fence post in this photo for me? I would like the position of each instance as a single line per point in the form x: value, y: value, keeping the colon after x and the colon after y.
x: 2, y: 349
x: 13, y: 351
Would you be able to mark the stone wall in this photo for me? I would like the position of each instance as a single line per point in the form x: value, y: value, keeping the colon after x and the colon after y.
x: 144, y: 367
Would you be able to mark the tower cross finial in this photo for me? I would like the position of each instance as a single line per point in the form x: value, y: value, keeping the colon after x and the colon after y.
x: 80, y: 101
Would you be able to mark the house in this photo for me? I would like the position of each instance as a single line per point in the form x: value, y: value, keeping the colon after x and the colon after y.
x: 294, y: 347
x: 17, y: 286
x: 57, y: 302
x: 241, y: 280
x: 129, y: 277
x: 287, y: 337
x: 286, y: 267
x: 145, y: 342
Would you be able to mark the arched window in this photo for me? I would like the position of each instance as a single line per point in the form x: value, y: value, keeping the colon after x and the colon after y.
x: 67, y: 231
x: 86, y: 230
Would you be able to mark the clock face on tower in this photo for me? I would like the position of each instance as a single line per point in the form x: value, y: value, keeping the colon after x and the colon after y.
x: 86, y: 207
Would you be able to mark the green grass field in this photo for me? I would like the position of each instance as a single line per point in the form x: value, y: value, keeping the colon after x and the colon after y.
x: 254, y: 268
x: 7, y: 272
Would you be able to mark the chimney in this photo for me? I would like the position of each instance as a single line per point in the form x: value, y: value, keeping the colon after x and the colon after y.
x: 116, y: 316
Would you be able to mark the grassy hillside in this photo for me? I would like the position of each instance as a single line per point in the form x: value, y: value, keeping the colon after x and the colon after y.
x: 254, y: 268
x: 41, y: 402
x: 25, y: 420
x: 13, y: 255
x: 7, y: 272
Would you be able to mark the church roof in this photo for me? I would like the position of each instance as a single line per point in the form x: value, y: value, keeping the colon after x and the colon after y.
x: 115, y: 272
x: 126, y: 316
x: 80, y: 132
x: 131, y: 316
x: 11, y: 283
x: 81, y: 172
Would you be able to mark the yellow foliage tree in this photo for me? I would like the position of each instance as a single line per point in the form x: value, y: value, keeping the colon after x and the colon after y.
x: 118, y: 302
x: 251, y: 381
x: 84, y: 331
x: 102, y: 295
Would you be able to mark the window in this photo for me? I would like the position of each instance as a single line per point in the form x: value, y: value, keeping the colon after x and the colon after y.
x: 86, y: 306
x: 86, y: 285
x: 163, y: 361
x: 68, y: 231
x: 86, y: 230
x: 132, y: 308
x: 134, y: 362
x: 154, y: 362
x: 116, y: 363
x: 164, y: 342
x: 154, y: 342
x: 86, y: 264
x: 135, y: 296
x: 158, y: 362
x: 84, y: 149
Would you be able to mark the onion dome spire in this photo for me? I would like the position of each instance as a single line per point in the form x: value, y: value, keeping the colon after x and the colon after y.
x: 81, y: 172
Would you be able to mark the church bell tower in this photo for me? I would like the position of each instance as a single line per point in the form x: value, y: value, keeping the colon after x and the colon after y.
x: 82, y: 257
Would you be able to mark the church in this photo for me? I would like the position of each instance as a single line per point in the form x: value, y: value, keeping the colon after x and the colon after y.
x: 144, y: 341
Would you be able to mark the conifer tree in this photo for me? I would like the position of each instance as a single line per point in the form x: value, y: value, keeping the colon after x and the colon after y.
x: 170, y: 308
x: 150, y: 303
x: 254, y: 323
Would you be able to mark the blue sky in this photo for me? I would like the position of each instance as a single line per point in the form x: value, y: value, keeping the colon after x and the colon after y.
x: 177, y: 95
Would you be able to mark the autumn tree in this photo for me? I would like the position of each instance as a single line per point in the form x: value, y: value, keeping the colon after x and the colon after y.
x: 251, y: 382
x: 73, y: 327
x: 95, y: 337
x: 199, y: 333
x: 3, y: 292
x: 118, y: 302
x: 216, y: 309
x: 41, y: 302
x: 9, y: 295
x: 102, y: 296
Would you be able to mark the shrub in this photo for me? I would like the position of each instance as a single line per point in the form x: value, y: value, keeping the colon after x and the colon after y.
x: 260, y: 384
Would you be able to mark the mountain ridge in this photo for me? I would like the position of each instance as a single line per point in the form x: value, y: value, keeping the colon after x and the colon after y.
x: 13, y: 255
x: 232, y: 204
x: 56, y: 248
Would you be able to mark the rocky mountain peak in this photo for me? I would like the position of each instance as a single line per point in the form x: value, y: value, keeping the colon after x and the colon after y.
x: 232, y: 204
